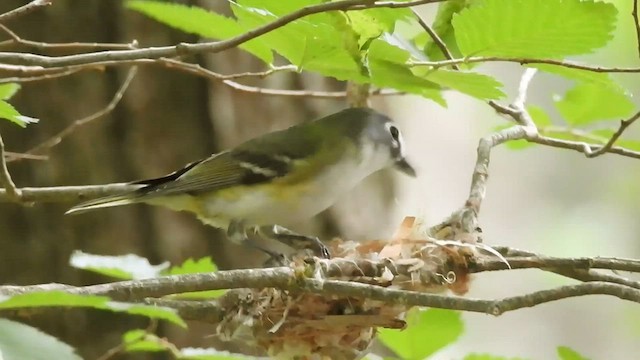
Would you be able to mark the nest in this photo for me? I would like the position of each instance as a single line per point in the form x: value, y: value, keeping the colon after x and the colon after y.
x: 312, y: 326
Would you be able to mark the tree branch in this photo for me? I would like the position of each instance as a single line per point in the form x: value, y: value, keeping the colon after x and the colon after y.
x: 208, y: 47
x: 524, y: 61
x: 23, y: 10
x: 66, y: 193
x: 10, y: 190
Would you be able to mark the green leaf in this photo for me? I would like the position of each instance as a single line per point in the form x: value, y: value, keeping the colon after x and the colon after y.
x: 7, y: 111
x: 588, y: 102
x: 387, y: 68
x: 191, y: 266
x: 566, y: 353
x: 139, y: 340
x: 534, y: 28
x: 475, y: 356
x: 427, y: 332
x: 600, y: 79
x: 443, y: 27
x: 388, y: 74
x: 210, y: 354
x: 125, y: 267
x: 539, y: 116
x: 196, y: 20
x: 314, y: 43
x: 52, y: 298
x: 480, y: 86
x: 20, y: 341
x: 150, y: 311
x: 59, y: 298
x: 8, y: 90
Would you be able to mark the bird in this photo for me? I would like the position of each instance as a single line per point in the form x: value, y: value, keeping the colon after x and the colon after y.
x: 281, y: 177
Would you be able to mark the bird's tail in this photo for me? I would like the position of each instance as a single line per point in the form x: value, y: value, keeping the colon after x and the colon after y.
x: 108, y: 201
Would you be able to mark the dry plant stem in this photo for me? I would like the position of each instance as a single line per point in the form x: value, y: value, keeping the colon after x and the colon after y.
x: 523, y: 61
x: 10, y: 190
x: 48, y: 76
x: 56, y: 139
x: 285, y: 278
x: 23, y: 10
x: 66, y: 193
x: 208, y: 47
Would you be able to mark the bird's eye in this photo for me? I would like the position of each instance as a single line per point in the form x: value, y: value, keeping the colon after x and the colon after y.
x: 395, y: 133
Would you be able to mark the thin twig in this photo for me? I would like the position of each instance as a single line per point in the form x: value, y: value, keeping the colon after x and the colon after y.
x: 624, y: 124
x: 23, y: 10
x: 10, y: 189
x: 12, y: 155
x: 436, y: 39
x: 46, y: 76
x: 56, y: 139
x: 636, y: 22
x: 67, y: 193
x: 523, y: 61
x: 17, y: 40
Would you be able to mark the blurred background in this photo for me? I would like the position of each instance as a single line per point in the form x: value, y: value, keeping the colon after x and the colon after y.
x: 545, y: 200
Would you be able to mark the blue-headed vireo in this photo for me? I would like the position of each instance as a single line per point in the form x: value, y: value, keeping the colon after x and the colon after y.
x: 281, y: 177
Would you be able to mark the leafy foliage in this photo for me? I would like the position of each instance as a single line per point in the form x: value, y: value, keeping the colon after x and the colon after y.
x: 124, y: 267
x: 20, y: 341
x: 427, y: 332
x: 533, y: 28
x: 565, y: 353
x: 62, y: 299
x: 7, y: 111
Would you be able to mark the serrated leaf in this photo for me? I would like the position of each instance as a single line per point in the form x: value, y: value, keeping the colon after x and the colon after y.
x: 8, y: 90
x: 191, y: 266
x: 20, y: 341
x: 196, y: 20
x: 534, y: 28
x: 62, y: 299
x: 386, y: 74
x: 443, y: 27
x: 312, y: 43
x: 125, y: 267
x: 210, y: 354
x: 7, y: 111
x: 588, y: 102
x: 566, y: 353
x: 480, y: 86
x: 427, y: 332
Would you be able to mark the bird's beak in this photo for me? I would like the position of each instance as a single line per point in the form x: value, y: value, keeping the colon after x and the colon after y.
x: 404, y: 166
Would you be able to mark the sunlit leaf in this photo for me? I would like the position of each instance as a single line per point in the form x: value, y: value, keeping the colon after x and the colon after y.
x: 20, y: 341
x: 196, y: 20
x: 534, y: 28
x: 191, y: 266
x: 589, y: 102
x: 8, y: 90
x: 566, y: 353
x: 7, y: 111
x: 596, y: 78
x: 480, y: 86
x: 62, y: 299
x: 427, y: 332
x: 475, y: 356
x: 139, y: 340
x: 125, y: 267
x: 443, y: 27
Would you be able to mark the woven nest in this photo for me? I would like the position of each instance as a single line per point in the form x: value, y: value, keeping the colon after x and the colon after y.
x: 313, y: 326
